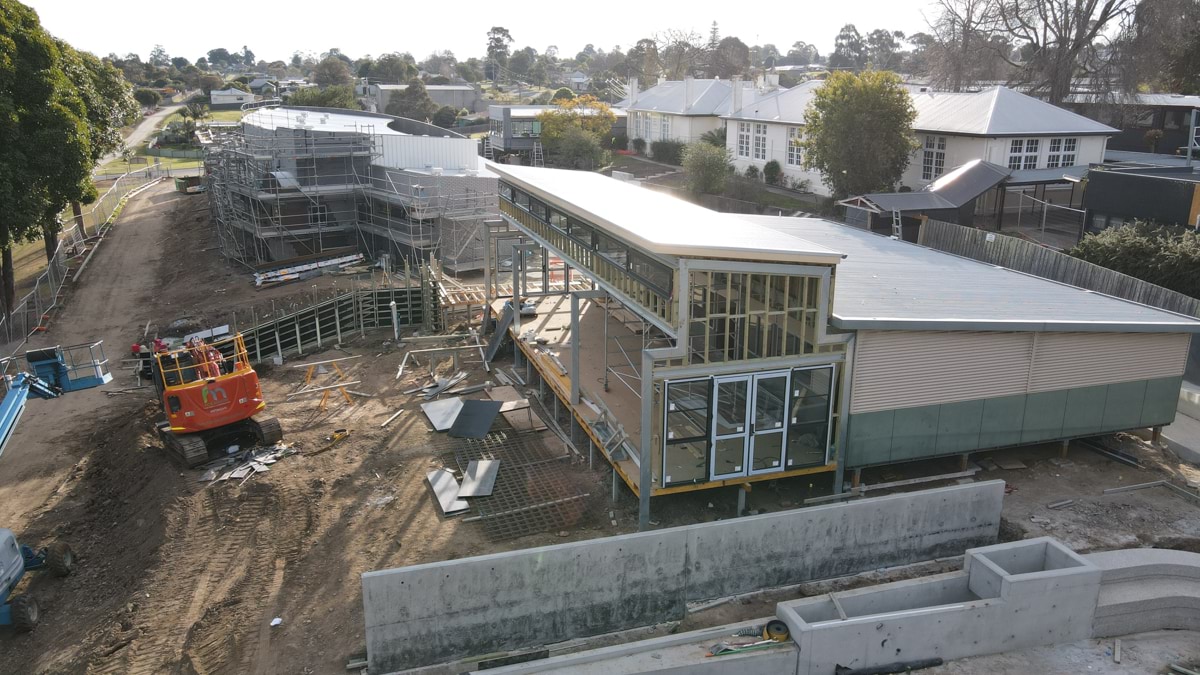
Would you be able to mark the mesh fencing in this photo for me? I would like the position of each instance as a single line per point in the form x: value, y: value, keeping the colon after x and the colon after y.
x: 31, y: 311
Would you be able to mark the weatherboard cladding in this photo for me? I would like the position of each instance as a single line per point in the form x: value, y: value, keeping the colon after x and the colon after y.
x: 903, y: 369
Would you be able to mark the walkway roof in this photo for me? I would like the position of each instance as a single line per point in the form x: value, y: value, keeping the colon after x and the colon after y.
x: 660, y: 223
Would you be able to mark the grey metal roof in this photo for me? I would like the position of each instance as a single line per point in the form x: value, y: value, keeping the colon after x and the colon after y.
x: 1156, y: 100
x: 999, y: 111
x: 786, y: 105
x: 952, y: 190
x: 1144, y: 158
x: 708, y: 97
x: 884, y: 283
x: 1038, y: 176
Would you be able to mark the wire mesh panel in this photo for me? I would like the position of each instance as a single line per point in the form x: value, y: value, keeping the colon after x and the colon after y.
x: 536, y: 489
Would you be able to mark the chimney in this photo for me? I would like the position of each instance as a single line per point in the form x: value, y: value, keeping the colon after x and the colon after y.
x: 772, y: 80
x: 735, y: 96
x: 687, y: 92
x: 633, y: 90
x: 661, y: 79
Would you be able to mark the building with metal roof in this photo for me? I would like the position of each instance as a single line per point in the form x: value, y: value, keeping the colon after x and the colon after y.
x: 694, y: 350
x: 1167, y: 195
x: 1138, y: 114
x: 684, y: 110
x: 517, y: 129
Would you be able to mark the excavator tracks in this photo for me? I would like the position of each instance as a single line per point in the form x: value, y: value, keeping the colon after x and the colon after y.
x: 188, y: 450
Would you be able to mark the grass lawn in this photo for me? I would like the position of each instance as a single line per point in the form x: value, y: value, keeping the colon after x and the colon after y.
x: 120, y: 166
x: 213, y: 116
x: 637, y: 167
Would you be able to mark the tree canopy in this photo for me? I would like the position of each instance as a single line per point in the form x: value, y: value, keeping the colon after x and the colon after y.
x: 705, y: 167
x: 858, y: 131
x: 60, y: 111
x: 332, y: 72
x: 1165, y: 256
x: 339, y: 96
x: 412, y: 102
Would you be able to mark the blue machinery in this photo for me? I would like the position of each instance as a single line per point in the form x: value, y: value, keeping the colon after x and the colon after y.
x: 56, y: 371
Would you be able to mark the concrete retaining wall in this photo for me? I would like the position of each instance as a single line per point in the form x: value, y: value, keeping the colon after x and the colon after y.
x: 437, y: 612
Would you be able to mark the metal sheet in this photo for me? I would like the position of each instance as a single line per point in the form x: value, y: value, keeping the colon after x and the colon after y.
x: 479, y: 478
x: 445, y: 488
x: 475, y: 419
x: 442, y: 413
x: 501, y: 333
x: 524, y: 419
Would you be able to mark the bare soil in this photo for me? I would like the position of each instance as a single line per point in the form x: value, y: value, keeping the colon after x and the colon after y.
x: 178, y: 576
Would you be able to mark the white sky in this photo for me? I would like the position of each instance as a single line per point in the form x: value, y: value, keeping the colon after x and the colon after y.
x: 273, y: 29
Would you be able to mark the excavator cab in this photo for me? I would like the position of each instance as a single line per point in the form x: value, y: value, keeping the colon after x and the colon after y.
x: 209, y: 391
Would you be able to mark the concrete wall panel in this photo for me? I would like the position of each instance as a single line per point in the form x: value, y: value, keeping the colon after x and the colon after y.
x: 436, y: 612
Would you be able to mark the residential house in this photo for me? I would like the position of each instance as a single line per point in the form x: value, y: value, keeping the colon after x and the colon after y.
x: 579, y: 81
x: 1047, y: 148
x: 457, y: 96
x: 685, y: 110
x: 230, y: 98
x: 263, y: 86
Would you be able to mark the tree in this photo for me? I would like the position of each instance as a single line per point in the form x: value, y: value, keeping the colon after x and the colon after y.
x: 679, y: 52
x: 584, y: 112
x: 520, y: 63
x: 180, y: 62
x: 562, y: 94
x: 959, y: 52
x: 239, y: 85
x: 469, y: 70
x: 730, y: 58
x: 1160, y: 45
x: 440, y: 63
x: 219, y: 57
x: 159, y: 56
x: 247, y: 56
x: 297, y: 60
x: 1165, y: 256
x: 393, y: 68
x: 848, y: 49
x: 498, y: 40
x: 210, y: 82
x: 46, y: 154
x: 147, y: 97
x: 202, y: 63
x: 803, y: 53
x: 445, y: 116
x: 338, y: 96
x: 882, y: 49
x: 705, y: 168
x: 858, y: 131
x: 642, y: 61
x: 332, y: 72
x: 412, y: 102
x: 577, y: 149
x: 1060, y: 39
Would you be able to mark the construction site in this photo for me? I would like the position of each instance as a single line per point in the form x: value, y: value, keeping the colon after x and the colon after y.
x: 469, y: 416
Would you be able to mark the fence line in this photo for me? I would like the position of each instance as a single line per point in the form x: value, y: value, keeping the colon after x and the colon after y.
x: 31, y: 311
x: 1030, y: 258
x: 1042, y: 213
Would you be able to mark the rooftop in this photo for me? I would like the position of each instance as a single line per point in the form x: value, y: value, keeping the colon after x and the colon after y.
x: 532, y: 111
x: 429, y: 87
x: 660, y: 223
x: 952, y: 190
x: 324, y: 120
x: 707, y: 97
x: 999, y: 111
x: 886, y: 283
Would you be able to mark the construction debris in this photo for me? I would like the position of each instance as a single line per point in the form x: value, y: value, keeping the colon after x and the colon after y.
x: 245, y: 463
x: 441, y: 414
x: 294, y: 272
x: 445, y: 488
x: 479, y: 478
x: 338, y: 436
x: 389, y: 420
x: 475, y: 419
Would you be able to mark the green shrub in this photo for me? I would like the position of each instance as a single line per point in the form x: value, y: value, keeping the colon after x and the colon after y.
x: 1165, y: 256
x: 772, y: 172
x: 668, y: 152
x: 752, y: 172
x: 639, y: 146
x: 705, y: 167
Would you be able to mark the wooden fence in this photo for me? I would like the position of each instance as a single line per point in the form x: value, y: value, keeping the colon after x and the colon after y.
x: 1030, y: 258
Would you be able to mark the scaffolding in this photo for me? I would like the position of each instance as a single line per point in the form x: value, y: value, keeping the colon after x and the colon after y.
x: 298, y: 185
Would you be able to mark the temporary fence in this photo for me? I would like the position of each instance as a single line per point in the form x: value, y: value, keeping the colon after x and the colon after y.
x: 1041, y: 215
x: 31, y: 312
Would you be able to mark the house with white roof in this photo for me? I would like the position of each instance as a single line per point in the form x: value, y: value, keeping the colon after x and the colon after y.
x: 1042, y: 144
x: 684, y: 110
x: 579, y: 81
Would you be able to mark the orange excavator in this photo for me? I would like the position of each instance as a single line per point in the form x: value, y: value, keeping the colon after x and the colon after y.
x: 211, y: 397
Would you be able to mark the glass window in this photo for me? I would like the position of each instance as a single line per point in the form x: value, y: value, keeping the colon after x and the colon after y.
x: 664, y: 127
x: 743, y: 139
x: 1023, y: 153
x: 685, y: 452
x: 1061, y: 152
x: 808, y: 423
x: 795, y: 151
x: 933, y: 162
x: 760, y: 141
x: 731, y: 407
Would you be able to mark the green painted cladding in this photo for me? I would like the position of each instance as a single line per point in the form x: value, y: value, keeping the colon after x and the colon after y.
x: 906, y: 434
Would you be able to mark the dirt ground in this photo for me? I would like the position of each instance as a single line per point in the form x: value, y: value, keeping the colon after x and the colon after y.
x: 179, y: 576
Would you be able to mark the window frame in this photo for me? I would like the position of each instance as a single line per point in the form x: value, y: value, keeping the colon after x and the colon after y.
x: 759, y: 147
x: 933, y: 158
x: 795, y: 151
x: 743, y: 139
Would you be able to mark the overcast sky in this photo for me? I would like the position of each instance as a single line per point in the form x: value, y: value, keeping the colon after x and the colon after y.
x: 274, y: 29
